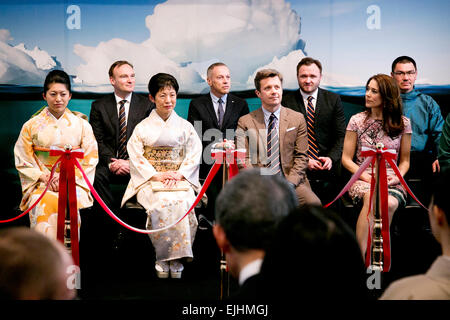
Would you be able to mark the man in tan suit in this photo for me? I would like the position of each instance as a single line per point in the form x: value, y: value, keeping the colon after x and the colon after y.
x: 276, y: 137
x: 435, y: 283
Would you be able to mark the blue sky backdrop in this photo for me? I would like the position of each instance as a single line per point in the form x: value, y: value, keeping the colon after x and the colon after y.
x: 184, y: 36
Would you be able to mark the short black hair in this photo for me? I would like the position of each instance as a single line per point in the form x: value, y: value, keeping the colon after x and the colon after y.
x: 57, y: 76
x: 439, y: 193
x: 160, y: 81
x: 250, y: 206
x: 403, y: 59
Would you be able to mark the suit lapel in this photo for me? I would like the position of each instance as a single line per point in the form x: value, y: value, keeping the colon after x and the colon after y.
x: 301, y: 104
x: 210, y: 109
x: 133, y: 114
x: 228, y: 111
x: 258, y: 120
x: 283, y: 126
x: 319, y: 103
x: 111, y: 110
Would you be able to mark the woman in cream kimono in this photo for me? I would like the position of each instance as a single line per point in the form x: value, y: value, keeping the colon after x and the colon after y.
x: 165, y: 153
x: 54, y: 125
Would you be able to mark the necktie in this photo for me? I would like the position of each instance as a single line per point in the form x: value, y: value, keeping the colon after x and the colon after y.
x: 313, y: 151
x: 122, y: 151
x: 273, y: 146
x: 220, y: 112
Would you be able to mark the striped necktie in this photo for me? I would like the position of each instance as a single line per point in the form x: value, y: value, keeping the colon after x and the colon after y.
x: 273, y: 146
x: 313, y: 151
x: 122, y: 151
x: 220, y: 113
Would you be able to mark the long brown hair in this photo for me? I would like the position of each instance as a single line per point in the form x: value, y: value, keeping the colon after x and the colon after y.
x: 392, y: 104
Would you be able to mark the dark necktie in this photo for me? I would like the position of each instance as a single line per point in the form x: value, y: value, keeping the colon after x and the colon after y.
x: 220, y: 113
x: 313, y: 151
x: 273, y: 146
x: 122, y: 151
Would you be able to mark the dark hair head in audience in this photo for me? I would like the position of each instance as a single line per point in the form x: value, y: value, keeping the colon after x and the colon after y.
x: 160, y: 81
x: 314, y: 255
x: 249, y: 207
x: 33, y: 267
x: 57, y: 76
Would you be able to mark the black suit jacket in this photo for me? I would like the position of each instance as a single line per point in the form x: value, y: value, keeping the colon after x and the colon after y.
x: 105, y: 123
x: 202, y: 109
x: 329, y: 121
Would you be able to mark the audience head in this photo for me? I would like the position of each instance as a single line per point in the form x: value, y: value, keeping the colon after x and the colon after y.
x: 249, y: 208
x: 404, y: 71
x: 33, y: 267
x: 219, y: 79
x: 439, y: 209
x: 309, y: 74
x: 319, y: 254
x: 122, y: 78
x: 383, y: 92
x: 163, y: 89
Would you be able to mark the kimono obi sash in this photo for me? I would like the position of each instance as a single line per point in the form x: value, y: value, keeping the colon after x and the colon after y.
x: 43, y: 155
x: 164, y: 158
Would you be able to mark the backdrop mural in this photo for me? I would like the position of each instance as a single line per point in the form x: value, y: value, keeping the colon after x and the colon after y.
x: 352, y: 39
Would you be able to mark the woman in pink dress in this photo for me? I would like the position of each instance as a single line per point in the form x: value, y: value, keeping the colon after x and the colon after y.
x: 383, y: 121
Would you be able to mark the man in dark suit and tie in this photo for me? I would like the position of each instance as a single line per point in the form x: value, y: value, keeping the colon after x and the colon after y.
x: 276, y: 137
x: 326, y: 127
x: 113, y: 119
x: 215, y: 116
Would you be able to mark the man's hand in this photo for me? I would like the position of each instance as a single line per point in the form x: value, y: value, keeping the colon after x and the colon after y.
x: 324, y: 163
x: 120, y: 167
x: 435, y: 166
x: 225, y: 144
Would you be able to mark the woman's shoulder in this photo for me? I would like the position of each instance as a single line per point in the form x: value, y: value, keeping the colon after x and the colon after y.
x: 357, y: 119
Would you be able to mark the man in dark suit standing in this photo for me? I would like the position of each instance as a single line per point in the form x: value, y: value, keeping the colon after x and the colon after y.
x: 326, y: 127
x: 113, y: 119
x: 215, y: 115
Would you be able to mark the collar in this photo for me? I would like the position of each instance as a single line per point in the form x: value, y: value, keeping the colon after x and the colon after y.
x: 250, y: 270
x: 216, y: 99
x: 268, y: 113
x: 128, y: 98
x: 306, y: 95
x: 410, y: 95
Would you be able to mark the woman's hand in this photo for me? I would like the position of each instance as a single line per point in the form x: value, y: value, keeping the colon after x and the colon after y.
x: 54, y: 183
x: 365, y: 177
x: 168, y: 178
x: 393, y: 180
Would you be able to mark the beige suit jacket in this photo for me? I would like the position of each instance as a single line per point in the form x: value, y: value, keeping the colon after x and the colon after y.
x: 433, y: 285
x: 251, y: 134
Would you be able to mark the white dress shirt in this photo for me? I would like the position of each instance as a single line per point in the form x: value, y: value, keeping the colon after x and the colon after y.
x: 306, y: 95
x: 250, y: 270
x: 127, y: 105
x: 215, y: 101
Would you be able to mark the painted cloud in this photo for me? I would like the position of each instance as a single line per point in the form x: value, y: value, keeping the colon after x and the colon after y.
x: 21, y: 66
x: 185, y: 36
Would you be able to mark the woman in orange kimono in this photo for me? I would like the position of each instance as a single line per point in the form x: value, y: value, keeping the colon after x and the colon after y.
x: 54, y: 126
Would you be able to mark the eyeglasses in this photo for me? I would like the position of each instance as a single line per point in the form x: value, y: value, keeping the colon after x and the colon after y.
x: 407, y: 73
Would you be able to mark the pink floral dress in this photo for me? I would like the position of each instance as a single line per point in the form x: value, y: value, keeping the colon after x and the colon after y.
x: 370, y: 132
